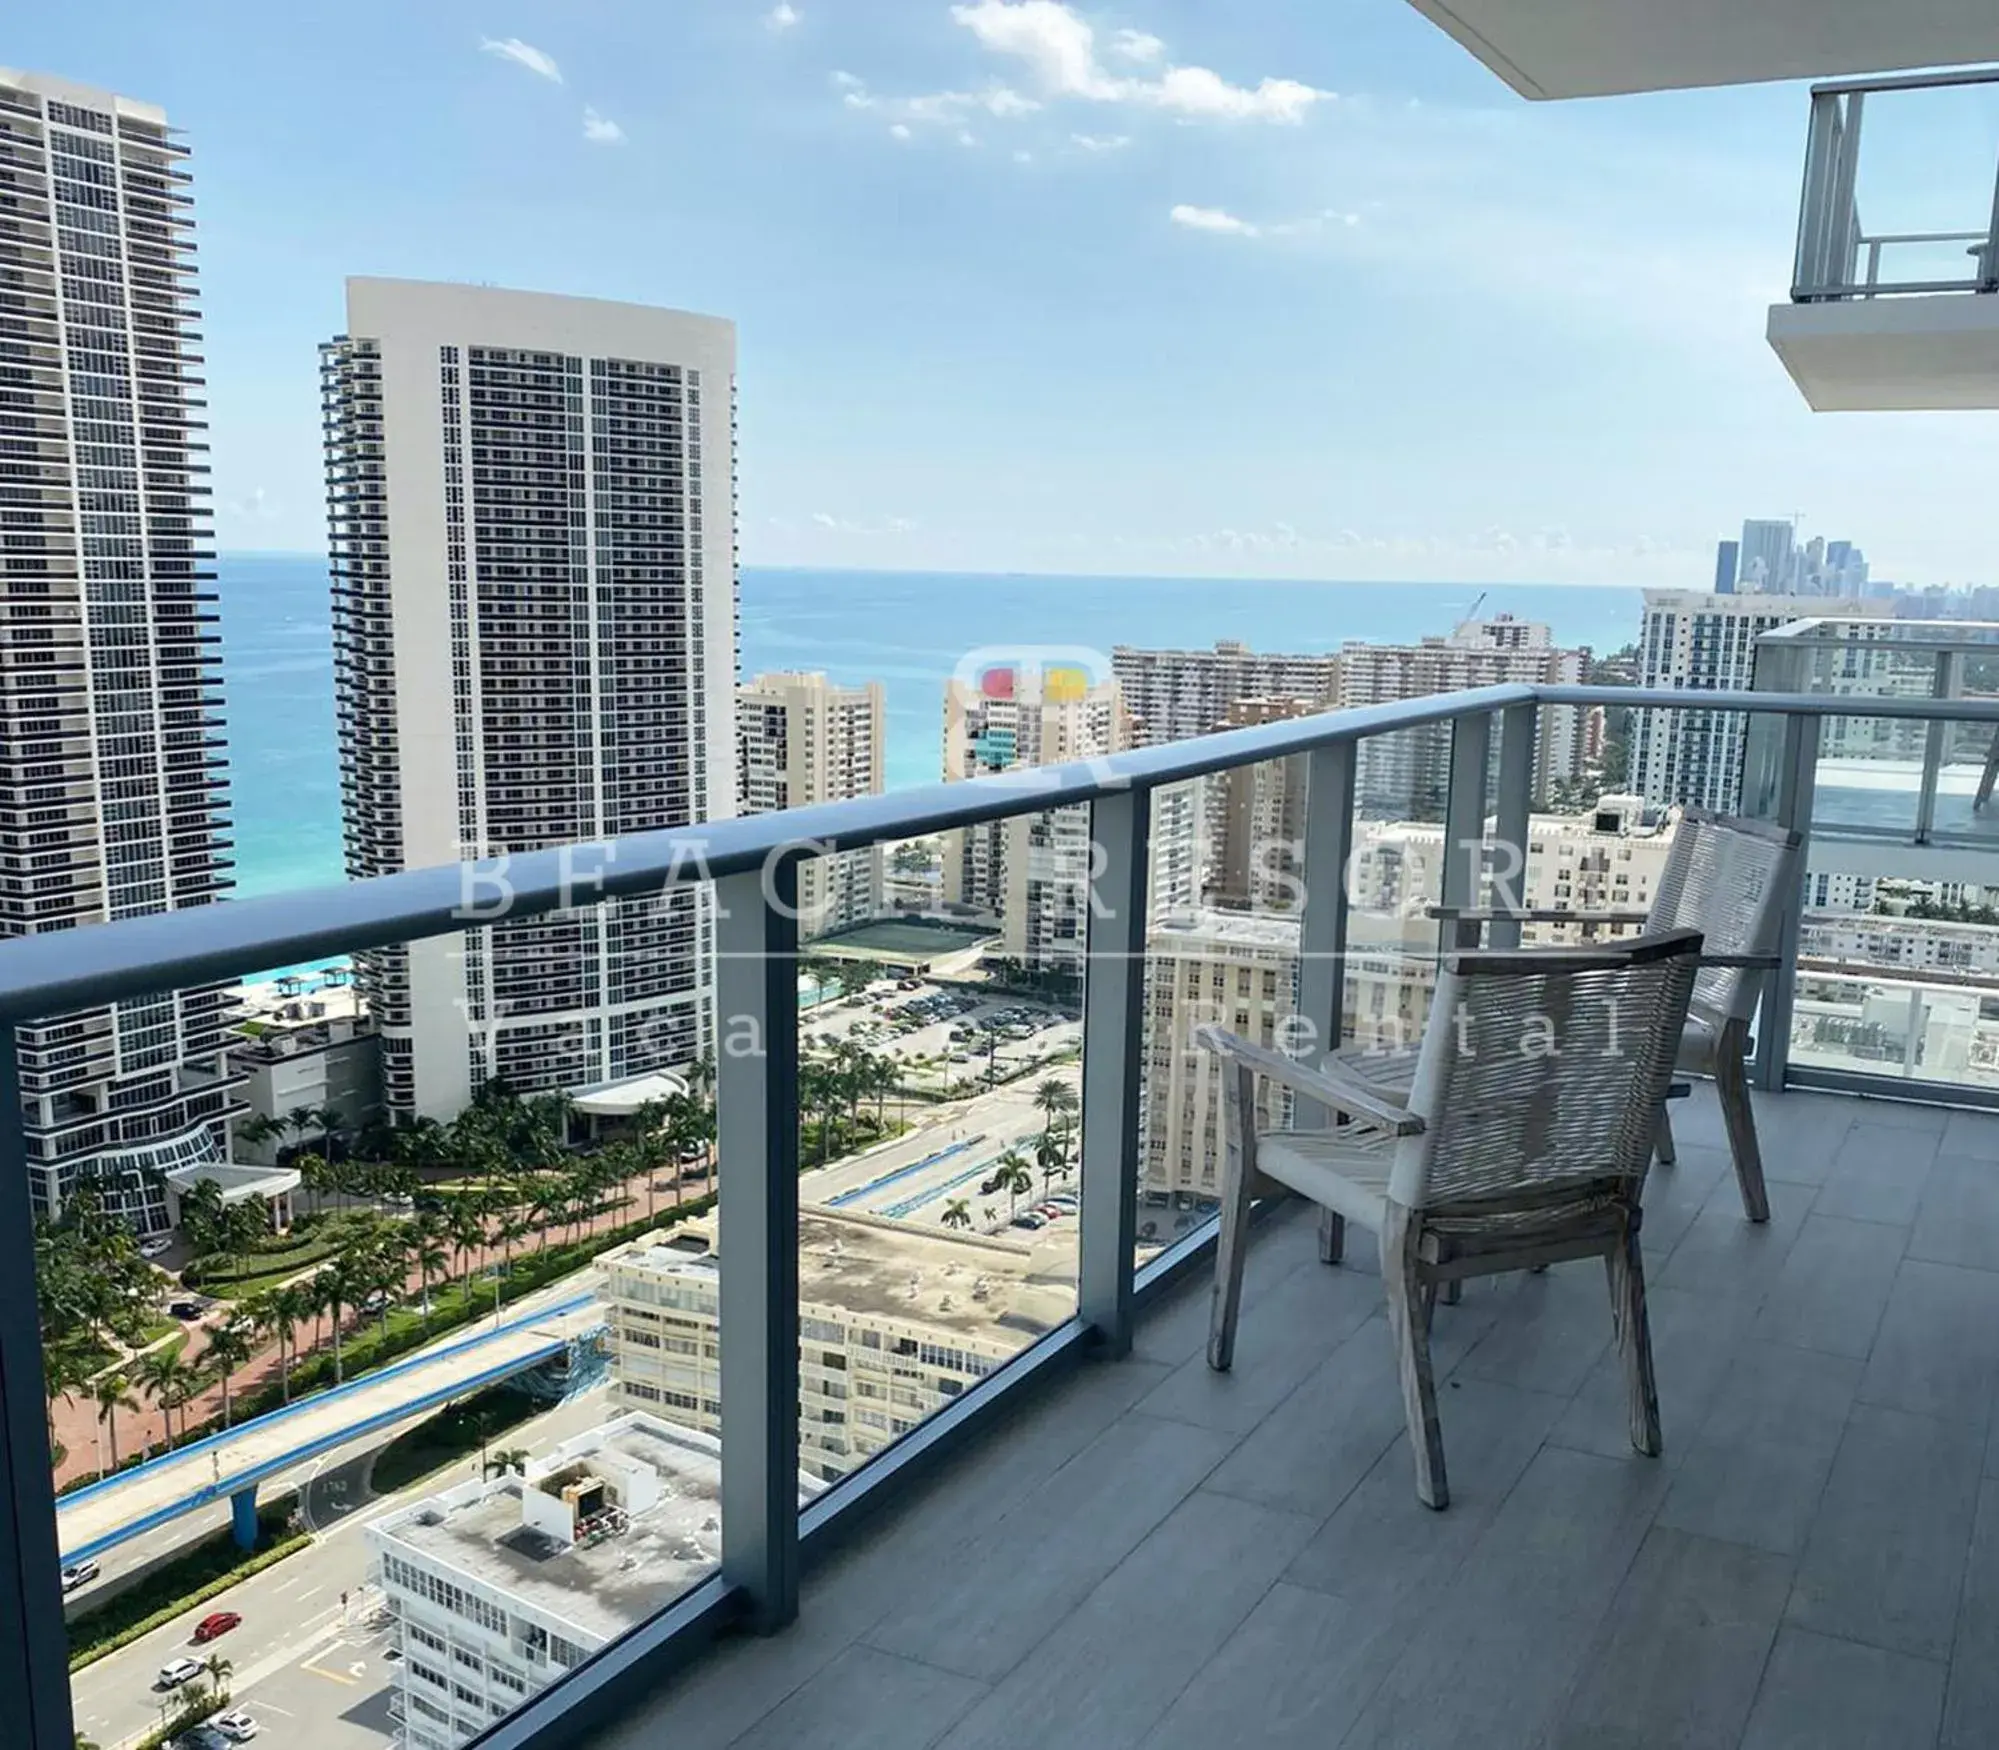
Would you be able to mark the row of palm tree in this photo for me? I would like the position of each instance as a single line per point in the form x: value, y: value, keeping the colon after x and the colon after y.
x: 833, y: 1084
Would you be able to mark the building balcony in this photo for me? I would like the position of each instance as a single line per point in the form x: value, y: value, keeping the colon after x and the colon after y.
x: 1895, y: 290
x: 1104, y: 1542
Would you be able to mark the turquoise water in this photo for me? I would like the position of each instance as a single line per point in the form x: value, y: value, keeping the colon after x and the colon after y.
x: 908, y: 630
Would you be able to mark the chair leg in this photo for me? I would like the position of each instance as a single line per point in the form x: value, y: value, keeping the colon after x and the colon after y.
x: 1238, y: 1174
x: 1731, y: 1080
x: 1454, y: 1291
x: 1626, y: 1269
x: 1409, y: 1302
x: 1662, y: 1143
x: 1332, y: 1237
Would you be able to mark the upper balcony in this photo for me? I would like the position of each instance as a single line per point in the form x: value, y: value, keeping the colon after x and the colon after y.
x: 1595, y: 48
x: 1895, y: 290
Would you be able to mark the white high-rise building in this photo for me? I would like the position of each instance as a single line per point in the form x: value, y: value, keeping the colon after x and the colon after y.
x: 1030, y: 871
x: 1229, y: 969
x: 1407, y: 775
x: 803, y: 740
x: 111, y: 769
x: 1174, y: 694
x: 532, y: 518
x: 1693, y: 639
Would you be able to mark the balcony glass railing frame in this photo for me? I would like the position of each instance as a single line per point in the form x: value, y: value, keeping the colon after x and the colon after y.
x: 1835, y: 258
x: 753, y: 862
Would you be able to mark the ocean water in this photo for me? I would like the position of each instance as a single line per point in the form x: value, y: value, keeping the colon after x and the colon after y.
x: 909, y: 630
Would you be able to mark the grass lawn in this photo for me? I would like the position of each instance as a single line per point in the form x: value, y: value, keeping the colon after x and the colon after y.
x: 453, y: 1433
x: 155, y: 1330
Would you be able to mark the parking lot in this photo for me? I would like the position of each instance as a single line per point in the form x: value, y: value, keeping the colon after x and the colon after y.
x: 960, y: 1032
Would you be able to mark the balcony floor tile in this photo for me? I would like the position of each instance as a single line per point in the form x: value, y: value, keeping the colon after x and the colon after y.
x: 1151, y: 1555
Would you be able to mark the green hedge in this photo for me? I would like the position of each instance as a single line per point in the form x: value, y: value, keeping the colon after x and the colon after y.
x: 212, y: 1566
x: 266, y: 1264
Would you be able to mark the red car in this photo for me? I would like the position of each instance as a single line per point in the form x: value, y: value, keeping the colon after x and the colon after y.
x: 210, y: 1627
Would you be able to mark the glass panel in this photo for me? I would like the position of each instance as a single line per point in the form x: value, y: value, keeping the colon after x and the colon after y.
x: 1395, y: 874
x: 938, y: 1095
x: 1922, y: 204
x: 292, y: 1308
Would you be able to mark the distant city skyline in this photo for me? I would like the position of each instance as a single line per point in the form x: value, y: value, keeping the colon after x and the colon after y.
x: 1214, y: 292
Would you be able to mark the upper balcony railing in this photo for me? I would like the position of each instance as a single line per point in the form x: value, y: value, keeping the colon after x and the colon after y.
x: 1934, y: 210
x: 1493, y: 742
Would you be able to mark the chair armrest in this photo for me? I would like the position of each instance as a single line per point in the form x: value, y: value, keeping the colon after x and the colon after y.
x: 1331, y: 1084
x: 1747, y: 962
x: 1472, y: 914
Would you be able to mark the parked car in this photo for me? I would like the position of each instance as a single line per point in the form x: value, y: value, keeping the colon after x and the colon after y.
x: 236, y: 1725
x: 80, y: 1575
x: 186, y: 1308
x: 175, y: 1672
x: 1030, y: 1220
x: 374, y: 1300
x: 215, y: 1625
x: 155, y: 1246
x: 202, y: 1737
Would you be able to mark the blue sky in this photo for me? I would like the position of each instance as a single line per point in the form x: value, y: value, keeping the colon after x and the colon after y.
x: 1159, y: 288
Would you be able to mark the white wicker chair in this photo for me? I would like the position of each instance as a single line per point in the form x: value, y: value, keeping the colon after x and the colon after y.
x: 1524, y: 1141
x: 1728, y: 878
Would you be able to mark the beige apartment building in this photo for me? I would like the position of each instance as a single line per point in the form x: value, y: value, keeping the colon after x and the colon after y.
x: 894, y: 1322
x: 800, y: 739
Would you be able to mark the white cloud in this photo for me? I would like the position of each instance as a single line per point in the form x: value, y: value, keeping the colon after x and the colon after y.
x: 1023, y: 157
x: 967, y: 138
x: 600, y: 129
x: 1059, y: 47
x: 782, y: 16
x: 895, y: 525
x: 1213, y: 219
x: 898, y: 130
x: 848, y: 81
x: 1102, y: 142
x: 523, y: 55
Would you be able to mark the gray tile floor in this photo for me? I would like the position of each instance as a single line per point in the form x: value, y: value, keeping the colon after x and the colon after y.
x: 1155, y: 1555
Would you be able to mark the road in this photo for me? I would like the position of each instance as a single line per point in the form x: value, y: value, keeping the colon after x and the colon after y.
x: 303, y: 1661
x: 138, y: 1553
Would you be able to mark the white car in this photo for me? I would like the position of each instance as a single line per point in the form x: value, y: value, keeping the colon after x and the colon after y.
x: 237, y: 1726
x: 175, y: 1672
x: 156, y: 1247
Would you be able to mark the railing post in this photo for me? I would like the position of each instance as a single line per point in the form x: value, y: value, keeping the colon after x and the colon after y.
x: 1842, y: 233
x: 1464, y: 823
x: 1519, y: 736
x: 1798, y: 773
x: 1946, y: 685
x: 34, y: 1648
x: 1113, y: 1056
x: 756, y: 1110
x: 1808, y: 271
x: 1988, y: 262
x: 1322, y: 927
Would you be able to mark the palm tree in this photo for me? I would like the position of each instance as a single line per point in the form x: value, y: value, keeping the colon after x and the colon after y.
x: 113, y: 1392
x: 341, y: 1284
x: 64, y: 1374
x: 291, y: 1306
x: 957, y: 1213
x: 230, y: 1344
x: 219, y: 1670
x: 257, y: 1129
x: 512, y: 1458
x: 428, y: 1254
x: 1058, y: 1102
x: 1050, y: 1158
x: 1013, y: 1178
x: 169, y: 1379
x: 332, y: 1125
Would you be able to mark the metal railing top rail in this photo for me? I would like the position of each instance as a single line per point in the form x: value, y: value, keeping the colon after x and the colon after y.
x: 1908, y: 81
x: 55, y: 973
x: 1854, y: 632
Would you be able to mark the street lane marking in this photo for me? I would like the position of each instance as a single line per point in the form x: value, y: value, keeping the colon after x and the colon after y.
x: 319, y: 1670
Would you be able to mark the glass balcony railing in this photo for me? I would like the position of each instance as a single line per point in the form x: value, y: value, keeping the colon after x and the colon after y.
x: 1903, y: 214
x: 726, y: 1387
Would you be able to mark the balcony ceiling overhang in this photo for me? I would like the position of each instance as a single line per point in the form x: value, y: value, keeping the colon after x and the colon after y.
x: 1908, y: 354
x: 1596, y: 48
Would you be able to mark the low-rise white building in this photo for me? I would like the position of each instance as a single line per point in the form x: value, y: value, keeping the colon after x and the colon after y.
x: 314, y: 1054
x: 500, y: 1586
x: 894, y: 1322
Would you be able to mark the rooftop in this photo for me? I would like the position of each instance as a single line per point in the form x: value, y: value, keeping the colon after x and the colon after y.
x: 876, y: 1268
x: 599, y: 1589
x: 1154, y: 1554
